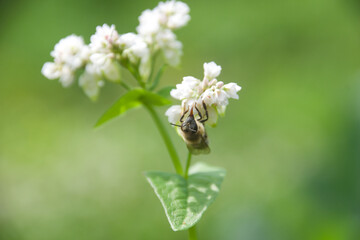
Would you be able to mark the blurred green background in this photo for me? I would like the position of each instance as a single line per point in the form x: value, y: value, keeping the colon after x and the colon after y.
x: 290, y: 144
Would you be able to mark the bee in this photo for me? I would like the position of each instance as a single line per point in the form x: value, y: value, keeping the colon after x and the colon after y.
x: 193, y: 131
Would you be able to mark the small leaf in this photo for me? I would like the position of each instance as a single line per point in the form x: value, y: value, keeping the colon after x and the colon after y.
x: 165, y: 92
x: 124, y: 103
x: 154, y: 99
x: 185, y: 201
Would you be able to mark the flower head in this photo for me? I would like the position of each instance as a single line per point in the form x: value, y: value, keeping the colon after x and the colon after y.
x: 135, y: 49
x: 108, y: 50
x: 173, y: 14
x: 103, y: 46
x: 211, y: 70
x: 91, y: 82
x: 149, y: 24
x: 211, y: 92
x: 105, y: 39
x: 157, y: 25
x: 69, y: 54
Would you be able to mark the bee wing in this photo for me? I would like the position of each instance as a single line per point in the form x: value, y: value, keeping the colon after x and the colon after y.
x: 201, y: 148
x: 197, y: 151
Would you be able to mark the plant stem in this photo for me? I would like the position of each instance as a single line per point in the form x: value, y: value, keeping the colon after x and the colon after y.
x: 153, y: 63
x: 192, y: 233
x: 164, y: 134
x: 124, y: 85
x: 187, y: 165
x: 136, y: 75
x: 156, y: 80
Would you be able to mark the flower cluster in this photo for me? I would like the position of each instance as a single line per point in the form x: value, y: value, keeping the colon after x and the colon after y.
x: 211, y: 92
x: 157, y: 25
x: 70, y: 54
x: 108, y: 50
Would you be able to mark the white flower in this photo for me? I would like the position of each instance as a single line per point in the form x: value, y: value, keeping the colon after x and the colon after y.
x: 71, y: 51
x: 51, y: 70
x: 91, y: 82
x: 67, y: 76
x: 56, y: 70
x: 173, y: 14
x: 174, y: 113
x: 103, y: 46
x: 156, y: 27
x: 134, y: 47
x: 171, y: 48
x: 167, y: 15
x: 105, y: 39
x: 187, y: 89
x: 136, y: 50
x: 149, y: 24
x: 105, y: 65
x: 231, y: 89
x: 69, y: 54
x: 211, y: 70
x: 194, y: 93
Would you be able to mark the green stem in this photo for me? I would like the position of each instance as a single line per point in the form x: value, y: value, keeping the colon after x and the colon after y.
x: 164, y: 134
x: 156, y: 80
x: 187, y: 165
x: 192, y: 233
x: 136, y: 75
x: 124, y: 85
x: 153, y: 62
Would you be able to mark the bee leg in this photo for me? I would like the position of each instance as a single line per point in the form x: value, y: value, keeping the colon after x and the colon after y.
x: 206, y: 113
x: 182, y: 117
x: 175, y: 124
x: 200, y: 116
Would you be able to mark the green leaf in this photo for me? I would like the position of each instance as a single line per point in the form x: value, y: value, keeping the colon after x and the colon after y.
x: 165, y: 92
x: 124, y: 103
x: 153, y: 99
x: 132, y: 99
x: 185, y: 201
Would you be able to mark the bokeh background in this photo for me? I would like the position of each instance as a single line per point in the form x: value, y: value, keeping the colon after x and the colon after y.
x: 290, y: 144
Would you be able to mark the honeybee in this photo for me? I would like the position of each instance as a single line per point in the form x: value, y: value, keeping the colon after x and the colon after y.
x: 193, y: 131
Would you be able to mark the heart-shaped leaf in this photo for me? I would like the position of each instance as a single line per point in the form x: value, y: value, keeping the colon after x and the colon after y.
x: 185, y: 201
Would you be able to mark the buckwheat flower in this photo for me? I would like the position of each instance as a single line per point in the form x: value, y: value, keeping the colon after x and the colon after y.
x: 136, y: 50
x: 174, y: 113
x: 57, y: 70
x: 103, y: 47
x: 71, y: 51
x: 69, y: 54
x: 149, y: 24
x: 171, y: 48
x: 156, y: 27
x: 105, y: 39
x: 211, y: 70
x: 51, y: 70
x: 173, y: 14
x: 67, y: 76
x: 106, y: 67
x: 211, y: 92
x: 186, y: 90
x: 91, y: 82
x: 167, y: 15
